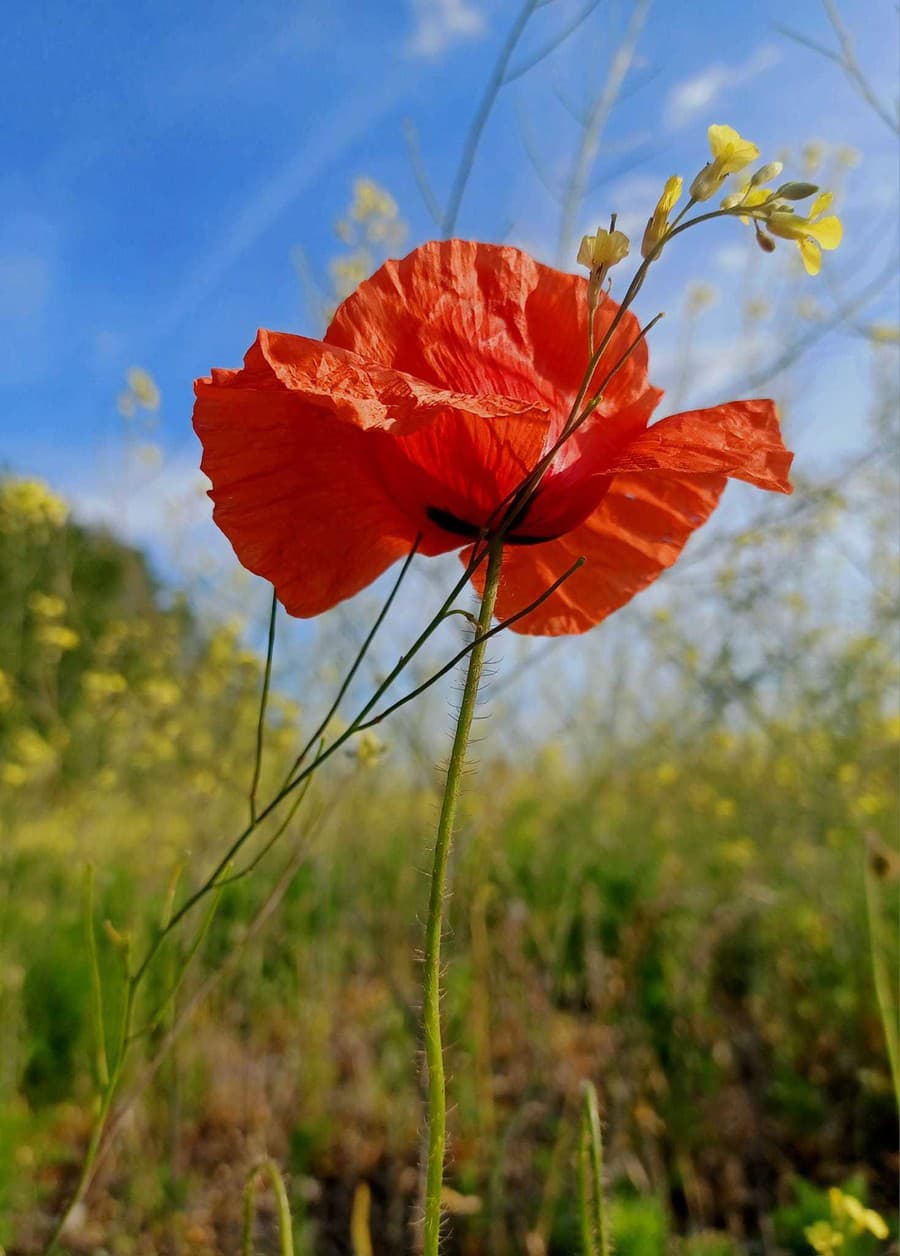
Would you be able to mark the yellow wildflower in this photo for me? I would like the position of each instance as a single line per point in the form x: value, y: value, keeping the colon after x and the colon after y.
x: 824, y: 1238
x: 812, y: 234
x: 862, y: 1220
x: 606, y: 248
x: 731, y: 153
x: 884, y: 333
x: 658, y: 223
x: 371, y: 200
x: 598, y: 253
x: 47, y: 605
x: 24, y: 503
x: 58, y: 636
x: 98, y: 685
x: 699, y: 297
x: 143, y: 388
x: 13, y: 774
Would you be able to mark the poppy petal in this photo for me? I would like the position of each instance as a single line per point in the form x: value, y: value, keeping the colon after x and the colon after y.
x: 638, y: 530
x: 295, y: 495
x: 480, y: 318
x: 459, y: 466
x: 740, y: 439
x: 579, y: 477
x: 354, y: 388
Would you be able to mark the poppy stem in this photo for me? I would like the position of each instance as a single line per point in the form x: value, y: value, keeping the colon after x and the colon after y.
x: 431, y: 1011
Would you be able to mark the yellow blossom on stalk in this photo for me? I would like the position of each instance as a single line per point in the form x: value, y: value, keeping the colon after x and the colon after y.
x: 884, y: 333
x: 658, y: 223
x: 824, y: 1238
x: 98, y: 685
x: 812, y: 234
x: 603, y: 249
x: 58, y: 636
x: 598, y: 253
x: 862, y: 1220
x: 731, y: 153
x: 47, y: 605
x: 143, y: 387
x: 25, y: 503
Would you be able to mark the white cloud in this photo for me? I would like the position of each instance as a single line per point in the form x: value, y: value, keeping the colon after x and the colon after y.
x: 440, y: 23
x: 698, y: 94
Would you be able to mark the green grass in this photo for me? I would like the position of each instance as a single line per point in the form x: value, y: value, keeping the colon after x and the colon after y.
x: 678, y: 916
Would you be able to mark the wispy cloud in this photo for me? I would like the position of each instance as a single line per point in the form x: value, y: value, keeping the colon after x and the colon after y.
x: 440, y: 23
x: 697, y: 94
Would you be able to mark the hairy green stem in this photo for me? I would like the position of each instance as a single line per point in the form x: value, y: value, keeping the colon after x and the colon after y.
x: 434, y: 1053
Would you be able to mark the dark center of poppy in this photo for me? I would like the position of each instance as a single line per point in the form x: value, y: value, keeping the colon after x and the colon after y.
x: 461, y: 527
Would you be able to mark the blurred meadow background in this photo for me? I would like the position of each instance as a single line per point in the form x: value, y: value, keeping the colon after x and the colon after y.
x: 677, y: 871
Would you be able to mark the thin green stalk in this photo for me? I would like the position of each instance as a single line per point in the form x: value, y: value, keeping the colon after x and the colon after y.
x: 263, y: 703
x: 282, y: 1204
x: 593, y: 1199
x: 882, y: 981
x: 434, y: 1055
x: 96, y: 983
x: 585, y: 1215
x: 109, y: 1093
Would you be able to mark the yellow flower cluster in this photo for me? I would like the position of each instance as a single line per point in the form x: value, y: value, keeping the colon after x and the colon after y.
x: 57, y: 637
x: 141, y: 393
x: 769, y: 209
x: 30, y: 503
x: 47, y: 606
x: 849, y: 1219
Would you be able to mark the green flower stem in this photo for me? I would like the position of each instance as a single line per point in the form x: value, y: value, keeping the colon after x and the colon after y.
x: 282, y: 1205
x: 594, y: 1223
x: 882, y: 981
x: 102, y: 1117
x: 434, y: 1055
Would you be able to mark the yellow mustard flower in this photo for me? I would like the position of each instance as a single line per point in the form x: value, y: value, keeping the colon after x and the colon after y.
x: 606, y: 248
x: 25, y: 503
x: 731, y: 153
x: 58, y: 636
x: 47, y: 605
x: 811, y: 234
x: 824, y: 1238
x: 658, y: 223
x: 99, y: 685
x: 143, y: 388
x: 599, y: 252
x: 862, y: 1220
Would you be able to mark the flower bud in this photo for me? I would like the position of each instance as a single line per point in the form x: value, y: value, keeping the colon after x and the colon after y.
x: 797, y: 191
x: 766, y: 173
x: 766, y: 243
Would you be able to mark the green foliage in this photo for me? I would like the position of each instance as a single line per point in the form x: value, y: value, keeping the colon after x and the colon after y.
x: 680, y: 918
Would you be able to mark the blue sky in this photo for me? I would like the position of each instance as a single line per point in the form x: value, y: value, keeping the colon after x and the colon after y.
x: 162, y: 161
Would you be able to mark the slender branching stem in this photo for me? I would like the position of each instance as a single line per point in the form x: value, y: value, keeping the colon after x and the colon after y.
x: 263, y: 703
x: 434, y: 1052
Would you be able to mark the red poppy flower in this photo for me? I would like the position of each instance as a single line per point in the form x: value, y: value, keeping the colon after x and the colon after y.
x: 438, y: 386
